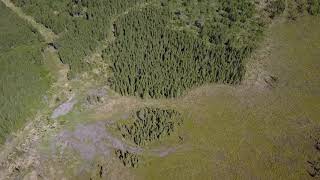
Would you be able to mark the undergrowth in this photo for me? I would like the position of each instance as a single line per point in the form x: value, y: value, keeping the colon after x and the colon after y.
x: 23, y: 79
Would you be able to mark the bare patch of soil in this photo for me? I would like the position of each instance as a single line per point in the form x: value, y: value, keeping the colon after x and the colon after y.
x: 91, y: 140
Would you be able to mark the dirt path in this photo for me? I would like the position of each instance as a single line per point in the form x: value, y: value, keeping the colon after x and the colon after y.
x: 95, y: 57
x: 45, y: 32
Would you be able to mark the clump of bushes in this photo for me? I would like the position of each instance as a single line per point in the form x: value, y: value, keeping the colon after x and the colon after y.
x: 95, y: 97
x: 314, y: 165
x: 301, y: 5
x: 150, y: 124
x: 275, y: 7
x: 128, y: 159
x: 313, y: 7
x: 146, y: 125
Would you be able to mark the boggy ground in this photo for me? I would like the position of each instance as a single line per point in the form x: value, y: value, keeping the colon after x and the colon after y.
x: 266, y: 128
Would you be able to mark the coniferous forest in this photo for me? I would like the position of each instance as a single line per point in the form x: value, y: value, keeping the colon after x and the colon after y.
x: 81, y: 24
x: 162, y: 51
x: 163, y: 47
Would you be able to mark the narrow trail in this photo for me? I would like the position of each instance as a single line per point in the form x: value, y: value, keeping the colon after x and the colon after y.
x: 45, y: 32
x: 95, y: 57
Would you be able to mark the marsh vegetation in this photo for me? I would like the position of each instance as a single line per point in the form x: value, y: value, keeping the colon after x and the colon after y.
x: 23, y: 78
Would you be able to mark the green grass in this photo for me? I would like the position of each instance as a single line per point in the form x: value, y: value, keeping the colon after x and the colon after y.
x: 264, y: 135
x: 23, y: 79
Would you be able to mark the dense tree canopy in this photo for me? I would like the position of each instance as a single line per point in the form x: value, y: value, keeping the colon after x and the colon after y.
x: 161, y: 51
x: 161, y: 47
x: 81, y: 24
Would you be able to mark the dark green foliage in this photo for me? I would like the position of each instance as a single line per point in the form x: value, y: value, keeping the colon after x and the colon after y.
x: 82, y: 24
x: 160, y: 50
x: 187, y: 43
x: 301, y: 5
x: 164, y: 49
x: 150, y: 124
x: 128, y: 159
x: 297, y: 7
x: 52, y: 14
x: 275, y: 7
x: 147, y: 125
x: 23, y: 79
x: 314, y: 165
x: 313, y: 7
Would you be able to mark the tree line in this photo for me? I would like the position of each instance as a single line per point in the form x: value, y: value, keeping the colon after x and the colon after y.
x: 157, y: 53
x: 165, y: 48
x: 161, y: 50
x: 80, y: 24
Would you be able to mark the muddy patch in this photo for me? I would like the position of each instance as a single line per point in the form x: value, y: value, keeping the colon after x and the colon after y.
x: 64, y: 108
x: 91, y: 140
